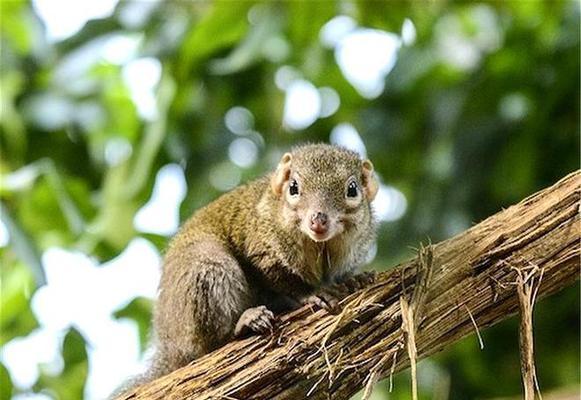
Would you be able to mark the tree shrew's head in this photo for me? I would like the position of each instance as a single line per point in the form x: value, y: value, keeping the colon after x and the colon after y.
x: 324, y: 190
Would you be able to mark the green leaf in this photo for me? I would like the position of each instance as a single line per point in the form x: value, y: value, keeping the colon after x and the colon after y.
x: 14, y: 22
x: 51, y: 195
x: 6, y: 386
x: 74, y: 351
x: 159, y: 241
x: 305, y: 20
x: 24, y: 247
x: 13, y: 129
x: 41, y: 215
x: 122, y: 117
x: 70, y: 384
x: 218, y: 29
x: 252, y: 47
x: 16, y: 318
x: 138, y: 310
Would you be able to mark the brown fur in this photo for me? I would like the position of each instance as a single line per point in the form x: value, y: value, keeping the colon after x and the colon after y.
x: 246, y: 249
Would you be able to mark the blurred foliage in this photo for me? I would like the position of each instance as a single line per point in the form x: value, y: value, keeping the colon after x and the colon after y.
x: 79, y: 159
x: 16, y: 318
x: 138, y: 310
x: 6, y: 387
x: 70, y: 384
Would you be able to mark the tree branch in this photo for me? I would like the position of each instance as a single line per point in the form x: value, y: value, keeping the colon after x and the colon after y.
x: 473, y: 282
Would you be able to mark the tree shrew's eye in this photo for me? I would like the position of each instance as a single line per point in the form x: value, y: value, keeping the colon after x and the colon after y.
x: 352, y: 189
x: 293, y: 188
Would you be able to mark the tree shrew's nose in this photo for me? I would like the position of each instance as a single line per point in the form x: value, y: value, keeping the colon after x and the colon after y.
x: 319, y: 222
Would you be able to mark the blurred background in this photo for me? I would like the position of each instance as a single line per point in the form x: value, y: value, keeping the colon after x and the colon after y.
x: 118, y: 119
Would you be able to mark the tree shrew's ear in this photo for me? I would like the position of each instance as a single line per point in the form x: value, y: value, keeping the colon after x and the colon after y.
x: 370, y: 185
x: 281, y: 175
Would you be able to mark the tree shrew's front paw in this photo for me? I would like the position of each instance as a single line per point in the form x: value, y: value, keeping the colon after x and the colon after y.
x: 255, y: 320
x: 328, y: 298
x: 324, y: 298
x: 351, y: 284
x: 355, y: 282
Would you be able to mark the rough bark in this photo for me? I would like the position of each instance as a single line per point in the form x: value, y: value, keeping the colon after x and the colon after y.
x: 472, y: 281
